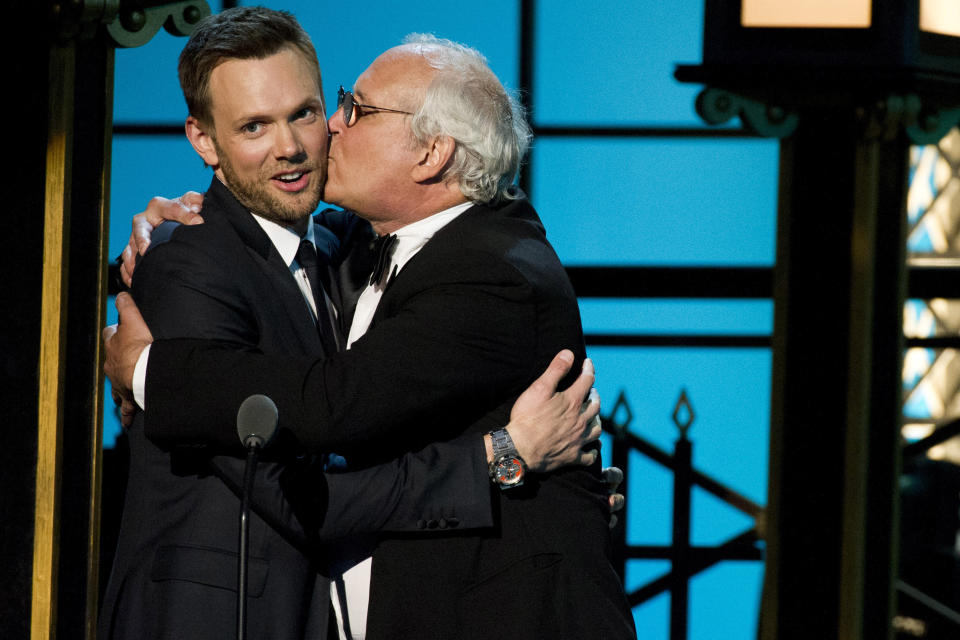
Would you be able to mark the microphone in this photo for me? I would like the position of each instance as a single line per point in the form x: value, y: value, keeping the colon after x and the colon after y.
x: 256, y: 425
x: 257, y: 421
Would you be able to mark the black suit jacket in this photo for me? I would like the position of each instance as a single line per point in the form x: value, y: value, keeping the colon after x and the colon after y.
x: 175, y: 571
x: 468, y: 323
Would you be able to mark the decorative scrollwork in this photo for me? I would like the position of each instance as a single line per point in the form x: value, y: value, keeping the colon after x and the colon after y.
x: 717, y: 106
x: 923, y: 123
x: 884, y: 119
x: 135, y: 26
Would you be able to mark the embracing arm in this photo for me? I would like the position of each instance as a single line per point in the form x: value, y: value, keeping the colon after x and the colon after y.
x: 444, y: 486
x: 549, y: 427
x: 452, y: 347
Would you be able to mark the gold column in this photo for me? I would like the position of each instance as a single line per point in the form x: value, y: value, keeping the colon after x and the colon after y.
x: 53, y: 316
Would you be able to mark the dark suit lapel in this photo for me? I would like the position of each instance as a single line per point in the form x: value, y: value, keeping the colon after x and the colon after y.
x: 295, y: 306
x: 265, y: 255
x: 418, y: 268
x: 461, y: 229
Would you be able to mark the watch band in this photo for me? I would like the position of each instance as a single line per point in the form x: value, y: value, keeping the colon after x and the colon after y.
x: 503, y: 444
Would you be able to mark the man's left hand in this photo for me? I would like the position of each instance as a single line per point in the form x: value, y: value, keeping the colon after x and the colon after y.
x: 550, y: 428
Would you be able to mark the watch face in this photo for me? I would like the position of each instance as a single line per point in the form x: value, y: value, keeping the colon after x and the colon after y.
x: 509, y: 471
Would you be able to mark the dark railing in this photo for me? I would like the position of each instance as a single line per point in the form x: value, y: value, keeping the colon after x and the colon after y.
x: 686, y: 560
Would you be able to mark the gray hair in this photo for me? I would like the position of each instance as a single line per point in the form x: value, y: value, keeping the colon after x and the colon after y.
x: 467, y: 102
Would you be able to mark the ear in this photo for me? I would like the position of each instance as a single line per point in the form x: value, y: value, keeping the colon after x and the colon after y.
x: 437, y: 154
x: 202, y: 141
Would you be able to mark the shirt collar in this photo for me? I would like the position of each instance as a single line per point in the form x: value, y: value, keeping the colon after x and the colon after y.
x: 428, y: 226
x: 412, y: 237
x: 283, y: 238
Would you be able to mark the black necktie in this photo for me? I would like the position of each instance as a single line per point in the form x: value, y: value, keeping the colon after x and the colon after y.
x: 307, y: 258
x: 381, y: 247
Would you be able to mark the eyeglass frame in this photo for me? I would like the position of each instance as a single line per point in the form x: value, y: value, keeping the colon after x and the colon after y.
x: 346, y: 98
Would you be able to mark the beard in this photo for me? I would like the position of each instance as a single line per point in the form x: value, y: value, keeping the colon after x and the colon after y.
x: 257, y: 196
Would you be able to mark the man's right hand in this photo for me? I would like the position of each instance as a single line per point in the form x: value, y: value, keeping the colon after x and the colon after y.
x: 184, y: 210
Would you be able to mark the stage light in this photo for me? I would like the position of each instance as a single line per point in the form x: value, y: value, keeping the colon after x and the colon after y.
x: 940, y: 16
x: 878, y: 35
x: 806, y: 13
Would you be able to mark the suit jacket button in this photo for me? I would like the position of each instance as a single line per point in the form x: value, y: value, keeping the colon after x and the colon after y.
x: 421, y: 524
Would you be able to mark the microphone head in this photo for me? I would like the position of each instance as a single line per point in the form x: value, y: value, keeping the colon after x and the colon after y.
x: 257, y: 421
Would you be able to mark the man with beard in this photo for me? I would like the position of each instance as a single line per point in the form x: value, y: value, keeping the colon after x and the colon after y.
x: 252, y: 85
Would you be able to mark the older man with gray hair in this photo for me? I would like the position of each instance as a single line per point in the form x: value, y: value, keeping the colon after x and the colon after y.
x: 466, y: 304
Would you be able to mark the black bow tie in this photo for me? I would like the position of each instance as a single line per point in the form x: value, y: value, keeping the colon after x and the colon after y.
x: 381, y: 247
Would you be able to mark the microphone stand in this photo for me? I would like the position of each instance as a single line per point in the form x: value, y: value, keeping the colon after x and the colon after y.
x: 253, y: 451
x: 256, y: 426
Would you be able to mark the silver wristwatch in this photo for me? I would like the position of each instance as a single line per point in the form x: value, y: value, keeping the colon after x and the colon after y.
x: 507, y: 469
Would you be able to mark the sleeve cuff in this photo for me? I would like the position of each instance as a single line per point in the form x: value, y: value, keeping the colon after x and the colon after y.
x: 140, y: 378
